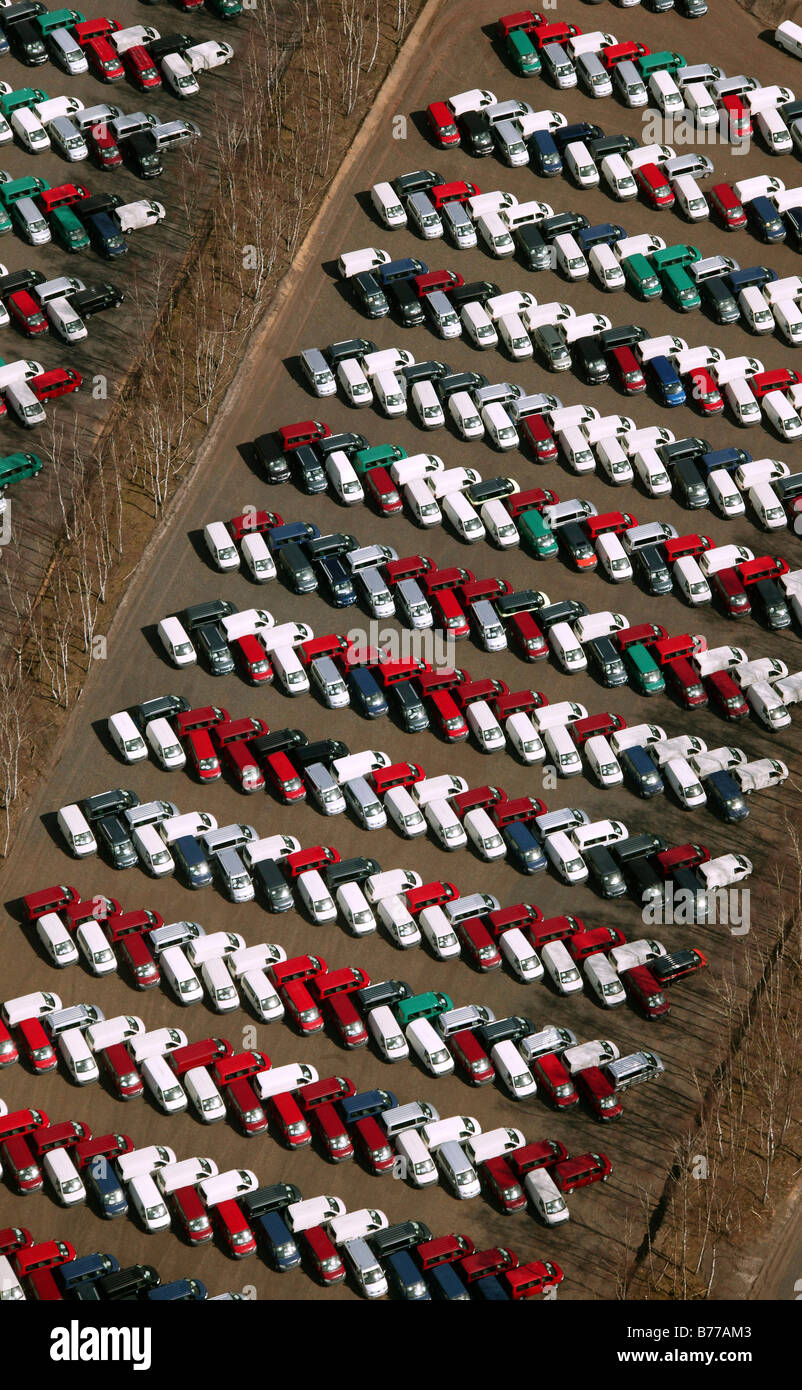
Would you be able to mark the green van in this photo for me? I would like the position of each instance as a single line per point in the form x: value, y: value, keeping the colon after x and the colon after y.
x: 642, y: 670
x: 23, y: 96
x: 59, y: 19
x: 68, y: 232
x: 522, y: 54
x: 426, y: 1005
x: 535, y: 535
x: 664, y: 61
x: 378, y: 456
x: 15, y: 467
x: 679, y: 290
x: 14, y: 189
x: 640, y: 277
x: 678, y: 254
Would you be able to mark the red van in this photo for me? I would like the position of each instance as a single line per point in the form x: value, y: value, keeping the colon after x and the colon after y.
x: 725, y: 696
x: 60, y: 381
x: 141, y: 68
x: 104, y: 147
x: 322, y: 1252
x: 191, y: 1215
x: 348, y: 1025
x: 20, y: 1164
x: 483, y: 1262
x: 471, y: 1057
x: 599, y: 1094
x: 285, y: 1112
x: 244, y: 1105
x: 447, y: 717
x: 535, y: 430
x: 136, y: 955
x: 118, y: 1065
x: 731, y: 594
x: 477, y: 944
x: 49, y: 900
x: 231, y: 1225
x: 198, y: 1054
x: 442, y: 125
x: 627, y: 371
x: 332, y: 1132
x: 201, y: 755
x: 443, y: 1250
x: 252, y: 659
x: 581, y: 1170
x: 645, y: 992
x: 36, y: 1045
x: 301, y: 1007
x: 553, y: 1081
x: 304, y: 432
x: 500, y: 1182
x: 45, y: 1254
x: 284, y: 779
x: 541, y: 1154
x: 654, y: 186
x: 525, y: 637
x: 530, y: 1280
x: 373, y: 1145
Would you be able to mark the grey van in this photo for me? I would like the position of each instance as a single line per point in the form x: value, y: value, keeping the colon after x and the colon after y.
x: 634, y: 1068
x: 228, y: 837
x: 364, y: 804
x: 458, y: 225
x: 550, y: 340
x: 65, y: 52
x: 456, y: 1170
x: 327, y: 679
x: 174, y: 132
x: 115, y: 839
x: 67, y: 138
x: 411, y: 604
x: 150, y: 813
x: 510, y: 141
x: 593, y: 76
x: 29, y: 222
x: 423, y: 215
x: 271, y: 885
x: 323, y: 789
x: 375, y: 593
x: 233, y: 876
x: 365, y: 1268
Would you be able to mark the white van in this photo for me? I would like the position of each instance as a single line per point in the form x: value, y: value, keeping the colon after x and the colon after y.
x: 781, y: 414
x: 604, y: 264
x: 404, y: 814
x: 387, y: 1034
x: 741, y: 401
x: 465, y: 416
x: 63, y: 1176
x: 557, y: 962
x: 546, y: 1198
x: 429, y: 1047
x: 144, y: 1160
x: 263, y: 999
x: 290, y: 673
x: 603, y: 980
x: 445, y: 825
x: 95, y: 949
x: 523, y: 738
x: 762, y: 470
x: 427, y: 404
x: 566, y: 649
x: 126, y: 737
x: 569, y: 865
x: 700, y: 104
x: 10, y: 1286
x: 439, y: 933
x: 389, y: 393
x: 767, y: 507
x: 484, y: 726
x: 148, y: 1203
x: 689, y: 195
x: 494, y: 236
x: 767, y: 705
x: 463, y: 518
x: 483, y: 834
x: 666, y: 94
x: 387, y: 205
x: 312, y: 1211
x: 34, y: 1005
x: 562, y: 751
x: 398, y: 922
x: 274, y: 1081
x: 614, y: 461
x: 577, y: 159
x: 788, y: 318
x: 154, y: 855
x: 55, y: 938
x: 77, y: 1056
x: 354, y: 384
x: 576, y: 450
x: 788, y: 36
x: 756, y: 312
x: 207, y: 1101
x: 75, y: 828
x: 684, y: 783
x: 499, y: 426
x: 419, y: 1164
x: 176, y: 643
x: 29, y: 131
x: 180, y: 976
x: 184, y: 1173
x: 618, y: 178
x: 723, y: 492
x: 520, y: 955
x: 613, y: 558
x: 690, y: 581
x: 353, y: 262
x: 602, y: 761
x: 512, y: 1070
x: 164, y: 744
x: 514, y: 336
x: 569, y: 257
x: 775, y: 133
x: 343, y: 478
x: 163, y: 1085
x: 220, y: 545
x: 316, y: 897
x: 418, y: 497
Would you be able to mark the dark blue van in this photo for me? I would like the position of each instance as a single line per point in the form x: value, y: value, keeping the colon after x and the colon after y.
x: 446, y: 1285
x: 105, y: 236
x: 729, y: 459
x: 366, y: 1104
x: 179, y: 1291
x: 640, y: 772
x: 366, y: 695
x: 544, y: 155
x: 665, y: 380
x: 104, y: 1185
x: 77, y: 1277
x: 490, y: 1288
x: 524, y: 850
x: 764, y: 220
x: 404, y: 269
x: 600, y: 234
x: 275, y: 1234
x: 725, y: 796
x: 756, y: 275
x: 404, y: 1279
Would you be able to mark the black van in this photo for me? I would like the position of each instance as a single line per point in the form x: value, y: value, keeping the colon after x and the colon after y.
x: 769, y: 605
x: 406, y: 303
x: 533, y: 250
x: 651, y: 570
x: 129, y: 1282
x: 603, y: 871
x: 604, y: 660
x: 271, y: 885
x: 368, y: 295
x: 407, y: 704
x: 308, y: 470
x: 643, y: 881
x: 143, y: 155
x: 295, y: 569
x: 115, y: 839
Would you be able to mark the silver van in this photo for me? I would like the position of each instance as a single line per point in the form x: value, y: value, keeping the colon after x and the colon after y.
x: 510, y: 142
x: 227, y: 837
x: 634, y: 1068
x: 458, y: 225
x: 233, y: 875
x: 30, y: 222
x: 365, y: 1268
x: 376, y: 593
x: 593, y: 75
x: 318, y: 372
x: 66, y: 53
x: 414, y: 1115
x: 67, y: 139
x: 364, y: 804
x: 323, y: 789
x: 423, y: 216
x: 443, y: 314
x: 325, y: 677
x: 411, y: 602
x: 457, y: 1172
